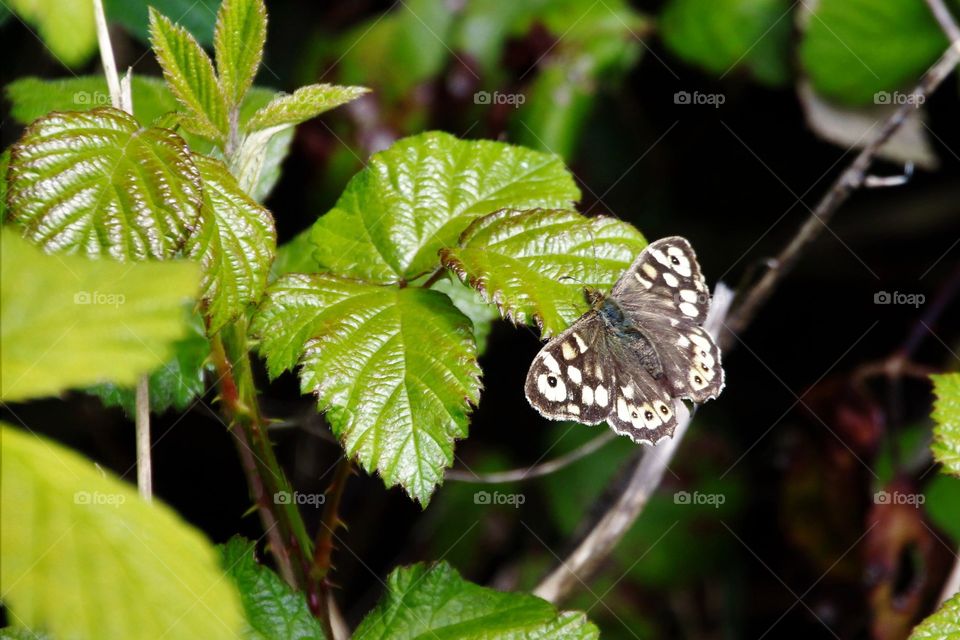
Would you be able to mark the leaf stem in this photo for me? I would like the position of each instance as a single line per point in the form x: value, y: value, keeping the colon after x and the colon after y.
x: 106, y: 57
x: 269, y: 487
x: 142, y: 426
x: 434, y: 277
x: 323, y: 549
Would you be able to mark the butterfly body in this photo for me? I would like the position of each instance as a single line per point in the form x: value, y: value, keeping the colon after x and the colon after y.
x: 636, y: 352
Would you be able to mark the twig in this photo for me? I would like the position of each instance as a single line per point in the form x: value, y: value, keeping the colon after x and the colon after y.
x: 323, y: 548
x: 106, y: 56
x: 142, y: 427
x: 643, y: 481
x: 945, y: 18
x: 952, y: 585
x: 848, y: 182
x: 534, y: 471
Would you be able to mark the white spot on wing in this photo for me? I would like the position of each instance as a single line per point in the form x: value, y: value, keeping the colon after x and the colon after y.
x: 556, y: 393
x: 580, y: 343
x: 670, y: 279
x: 569, y: 353
x: 551, y: 363
x: 600, y: 395
x: 586, y: 395
x: 574, y: 374
x: 574, y: 409
x: 689, y: 309
x: 688, y: 295
x: 649, y: 270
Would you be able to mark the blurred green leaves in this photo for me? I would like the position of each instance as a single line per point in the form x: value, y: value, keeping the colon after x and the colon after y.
x: 93, y: 320
x: 83, y: 556
x: 417, y: 196
x: 66, y: 26
x: 274, y: 611
x: 434, y: 601
x: 535, y: 264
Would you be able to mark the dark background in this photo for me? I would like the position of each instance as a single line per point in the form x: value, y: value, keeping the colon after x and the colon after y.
x: 799, y: 520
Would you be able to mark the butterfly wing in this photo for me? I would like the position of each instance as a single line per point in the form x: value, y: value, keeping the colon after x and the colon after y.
x: 665, y: 295
x: 569, y: 379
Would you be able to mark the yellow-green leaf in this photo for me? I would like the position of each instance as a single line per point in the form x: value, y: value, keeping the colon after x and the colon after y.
x: 238, y: 40
x: 303, y: 104
x: 946, y: 415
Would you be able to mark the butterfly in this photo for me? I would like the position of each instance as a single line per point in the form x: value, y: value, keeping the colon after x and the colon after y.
x: 636, y: 350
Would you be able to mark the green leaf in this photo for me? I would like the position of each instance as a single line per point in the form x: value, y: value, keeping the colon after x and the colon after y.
x: 853, y: 49
x: 96, y: 182
x: 433, y: 601
x: 535, y: 264
x: 176, y: 382
x: 197, y: 17
x: 241, y: 32
x: 472, y: 305
x: 235, y: 245
x: 295, y: 256
x: 274, y: 611
x: 85, y: 557
x: 10, y: 633
x: 66, y: 26
x: 417, y: 197
x: 946, y: 415
x: 719, y: 35
x: 190, y: 76
x: 303, y: 104
x: 67, y: 322
x: 944, y: 624
x: 395, y: 369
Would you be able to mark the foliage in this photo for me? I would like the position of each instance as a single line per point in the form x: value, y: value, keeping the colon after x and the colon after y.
x: 946, y: 415
x: 91, y: 542
x: 434, y: 601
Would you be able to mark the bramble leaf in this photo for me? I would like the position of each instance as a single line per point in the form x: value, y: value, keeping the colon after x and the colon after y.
x: 176, y: 382
x: 946, y: 415
x: 274, y: 611
x: 535, y: 264
x: 395, y: 369
x: 239, y: 37
x: 85, y: 557
x: 943, y: 624
x: 190, y: 76
x: 472, y: 304
x: 433, y: 601
x: 67, y: 322
x: 95, y: 182
x: 134, y: 16
x: 235, y: 244
x: 417, y: 197
x: 301, y: 105
x: 840, y: 49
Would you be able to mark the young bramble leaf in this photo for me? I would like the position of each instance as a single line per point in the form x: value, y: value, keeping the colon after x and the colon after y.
x: 235, y: 244
x: 433, y: 601
x: 175, y: 383
x: 303, y: 104
x: 396, y: 369
x: 239, y: 37
x: 535, y: 264
x: 417, y: 197
x: 274, y: 611
x: 95, y: 182
x: 943, y: 624
x: 190, y: 76
x: 85, y: 557
x: 67, y: 322
x: 472, y: 304
x: 946, y: 415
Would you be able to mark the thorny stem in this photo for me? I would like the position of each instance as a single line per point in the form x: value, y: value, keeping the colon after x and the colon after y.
x: 269, y: 487
x: 600, y: 541
x: 323, y: 549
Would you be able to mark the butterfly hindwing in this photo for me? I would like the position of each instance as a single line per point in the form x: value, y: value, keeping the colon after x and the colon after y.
x: 643, y: 407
